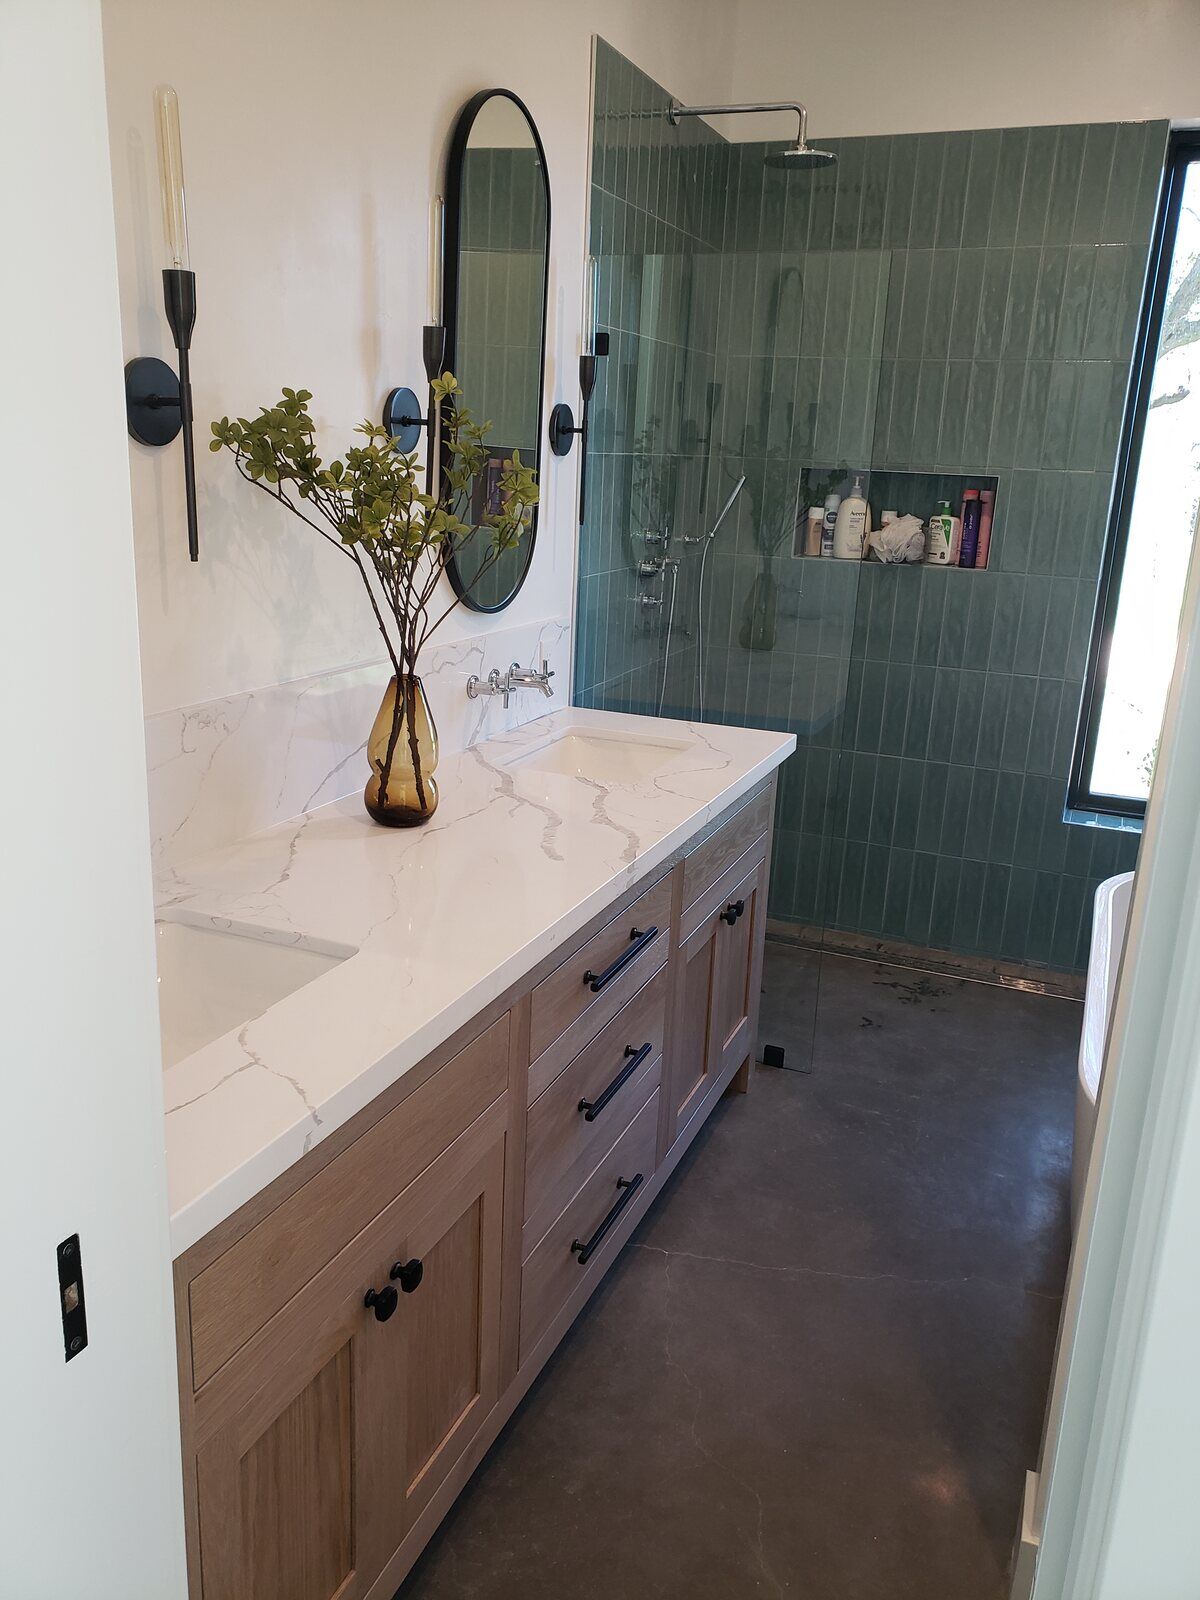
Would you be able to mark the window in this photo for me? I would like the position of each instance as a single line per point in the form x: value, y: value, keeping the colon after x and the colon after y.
x: 1153, y: 517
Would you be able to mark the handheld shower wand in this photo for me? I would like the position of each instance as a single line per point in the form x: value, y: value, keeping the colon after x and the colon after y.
x: 706, y: 540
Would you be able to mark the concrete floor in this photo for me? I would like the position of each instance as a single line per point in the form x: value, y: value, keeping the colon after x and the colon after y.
x: 818, y: 1369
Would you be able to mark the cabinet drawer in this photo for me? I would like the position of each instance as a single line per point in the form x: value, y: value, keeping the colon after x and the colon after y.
x: 582, y: 1112
x: 242, y: 1289
x: 571, y: 1006
x: 579, y: 1247
x: 710, y: 860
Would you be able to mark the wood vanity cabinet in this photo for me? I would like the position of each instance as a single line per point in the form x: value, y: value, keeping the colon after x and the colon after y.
x: 320, y: 1443
x: 355, y: 1338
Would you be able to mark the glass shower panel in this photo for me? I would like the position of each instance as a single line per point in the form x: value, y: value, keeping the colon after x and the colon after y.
x: 746, y: 343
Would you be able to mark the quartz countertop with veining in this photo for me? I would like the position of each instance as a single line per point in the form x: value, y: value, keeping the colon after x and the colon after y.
x: 441, y: 919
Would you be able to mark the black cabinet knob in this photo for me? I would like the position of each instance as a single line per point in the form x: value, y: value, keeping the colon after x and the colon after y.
x: 382, y: 1302
x: 733, y: 911
x: 408, y: 1274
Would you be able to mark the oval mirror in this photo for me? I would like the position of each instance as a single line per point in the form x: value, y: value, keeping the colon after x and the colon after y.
x: 497, y: 243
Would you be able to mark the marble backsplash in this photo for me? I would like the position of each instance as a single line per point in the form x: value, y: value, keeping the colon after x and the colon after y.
x: 228, y: 768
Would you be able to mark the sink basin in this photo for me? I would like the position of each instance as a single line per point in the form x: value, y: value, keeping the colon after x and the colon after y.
x: 210, y: 982
x: 583, y: 752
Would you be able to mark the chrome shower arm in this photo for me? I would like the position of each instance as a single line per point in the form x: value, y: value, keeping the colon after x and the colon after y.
x: 752, y: 106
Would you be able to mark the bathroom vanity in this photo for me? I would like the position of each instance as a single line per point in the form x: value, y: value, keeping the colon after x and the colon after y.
x: 395, y: 1187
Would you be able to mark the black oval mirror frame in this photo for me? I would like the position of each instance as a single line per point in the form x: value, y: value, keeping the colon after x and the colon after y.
x: 455, y: 243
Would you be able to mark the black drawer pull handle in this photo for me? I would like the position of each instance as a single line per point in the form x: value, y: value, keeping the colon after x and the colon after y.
x: 733, y: 911
x: 640, y: 940
x: 381, y: 1301
x: 629, y: 1187
x: 592, y: 1108
x: 408, y: 1274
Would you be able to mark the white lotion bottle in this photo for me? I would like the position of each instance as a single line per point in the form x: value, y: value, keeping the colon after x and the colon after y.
x: 850, y: 530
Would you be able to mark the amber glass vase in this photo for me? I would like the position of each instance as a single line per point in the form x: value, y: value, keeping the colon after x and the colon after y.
x: 403, y: 751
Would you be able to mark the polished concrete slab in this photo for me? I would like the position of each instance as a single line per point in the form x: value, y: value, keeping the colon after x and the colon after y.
x: 818, y: 1369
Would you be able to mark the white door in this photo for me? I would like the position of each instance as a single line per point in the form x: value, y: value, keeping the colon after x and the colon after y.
x: 90, y: 1497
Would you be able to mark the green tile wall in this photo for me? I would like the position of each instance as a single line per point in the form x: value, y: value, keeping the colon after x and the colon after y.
x: 944, y: 305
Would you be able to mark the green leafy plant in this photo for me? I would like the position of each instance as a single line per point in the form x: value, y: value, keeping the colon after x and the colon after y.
x: 371, y: 506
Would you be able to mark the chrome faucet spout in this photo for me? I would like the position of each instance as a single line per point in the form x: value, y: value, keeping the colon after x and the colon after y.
x: 531, y: 677
x: 517, y: 677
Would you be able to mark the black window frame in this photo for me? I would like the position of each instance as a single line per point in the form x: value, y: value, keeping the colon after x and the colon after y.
x: 1183, y: 151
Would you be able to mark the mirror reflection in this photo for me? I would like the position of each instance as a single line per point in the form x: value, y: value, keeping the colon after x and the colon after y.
x: 497, y: 239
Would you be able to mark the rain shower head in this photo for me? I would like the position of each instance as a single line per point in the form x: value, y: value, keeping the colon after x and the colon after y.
x: 800, y: 158
x: 796, y: 157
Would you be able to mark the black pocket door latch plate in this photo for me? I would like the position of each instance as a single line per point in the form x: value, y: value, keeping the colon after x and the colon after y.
x: 70, y: 1297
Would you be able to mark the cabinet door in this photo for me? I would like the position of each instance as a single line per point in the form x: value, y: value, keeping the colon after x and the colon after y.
x: 445, y: 1378
x: 716, y: 1015
x: 321, y: 1441
x: 736, y: 975
x: 694, y: 1055
x: 283, y: 1508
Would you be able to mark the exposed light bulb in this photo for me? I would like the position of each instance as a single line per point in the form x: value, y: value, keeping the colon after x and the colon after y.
x: 170, y: 168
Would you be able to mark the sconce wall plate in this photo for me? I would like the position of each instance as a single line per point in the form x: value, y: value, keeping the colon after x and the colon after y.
x: 152, y: 400
x: 402, y: 418
x: 562, y: 429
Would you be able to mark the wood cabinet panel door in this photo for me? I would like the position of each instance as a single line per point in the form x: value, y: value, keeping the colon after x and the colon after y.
x: 324, y: 1438
x: 283, y: 1509
x: 694, y: 1055
x: 446, y: 1372
x: 736, y: 978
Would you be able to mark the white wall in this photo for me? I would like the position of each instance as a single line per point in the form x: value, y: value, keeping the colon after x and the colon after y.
x: 314, y: 133
x: 874, y: 66
x: 89, y: 1452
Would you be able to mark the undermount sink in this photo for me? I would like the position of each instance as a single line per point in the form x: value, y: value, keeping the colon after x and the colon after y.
x: 210, y: 982
x: 586, y: 752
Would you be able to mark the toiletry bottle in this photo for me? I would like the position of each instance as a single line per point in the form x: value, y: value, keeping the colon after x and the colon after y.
x: 812, y: 532
x: 939, y: 542
x: 971, y: 508
x: 829, y: 523
x: 987, y: 503
x: 886, y: 517
x: 850, y: 529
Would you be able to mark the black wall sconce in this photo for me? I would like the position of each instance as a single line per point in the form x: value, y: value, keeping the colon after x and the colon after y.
x: 402, y: 410
x: 563, y: 427
x: 158, y: 403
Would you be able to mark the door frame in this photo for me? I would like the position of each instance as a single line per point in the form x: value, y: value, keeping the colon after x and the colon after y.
x: 1124, y: 1412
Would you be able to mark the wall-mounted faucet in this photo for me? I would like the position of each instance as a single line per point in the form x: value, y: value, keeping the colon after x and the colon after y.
x: 517, y: 677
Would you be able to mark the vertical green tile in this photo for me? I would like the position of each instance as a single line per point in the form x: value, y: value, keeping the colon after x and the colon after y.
x: 901, y: 179
x: 1094, y: 175
x: 945, y: 903
x: 876, y: 163
x: 1006, y: 196
x: 927, y: 189
x: 981, y: 183
x: 1036, y: 185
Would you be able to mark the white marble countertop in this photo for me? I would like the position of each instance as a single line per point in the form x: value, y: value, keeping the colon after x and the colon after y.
x: 442, y: 919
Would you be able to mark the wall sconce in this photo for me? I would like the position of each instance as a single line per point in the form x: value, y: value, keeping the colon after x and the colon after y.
x: 158, y: 403
x: 563, y: 428
x: 402, y: 410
